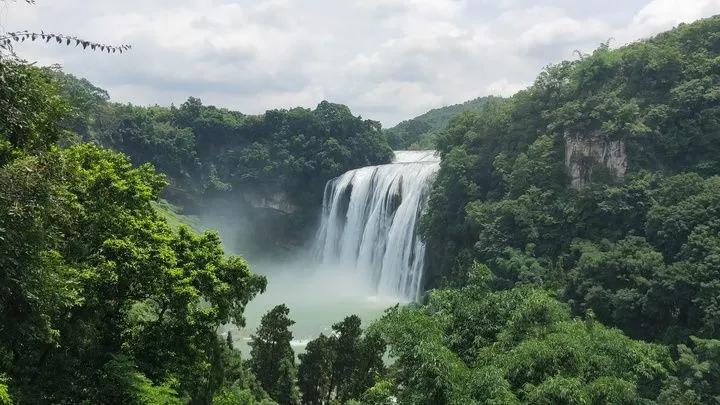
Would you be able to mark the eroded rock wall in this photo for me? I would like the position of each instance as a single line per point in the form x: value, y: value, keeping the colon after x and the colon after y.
x: 584, y: 154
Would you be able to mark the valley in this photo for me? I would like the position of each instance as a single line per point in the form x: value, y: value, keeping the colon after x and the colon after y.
x: 557, y: 246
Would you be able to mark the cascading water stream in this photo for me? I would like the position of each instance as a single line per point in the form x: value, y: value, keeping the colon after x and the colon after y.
x: 369, y: 223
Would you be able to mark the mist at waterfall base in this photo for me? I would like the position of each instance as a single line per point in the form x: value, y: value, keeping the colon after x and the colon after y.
x: 365, y: 256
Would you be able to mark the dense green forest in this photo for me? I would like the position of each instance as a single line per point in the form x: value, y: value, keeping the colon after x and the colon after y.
x: 619, y: 243
x: 573, y: 242
x: 420, y: 132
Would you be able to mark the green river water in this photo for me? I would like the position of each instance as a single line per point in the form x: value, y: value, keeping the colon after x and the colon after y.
x: 316, y: 299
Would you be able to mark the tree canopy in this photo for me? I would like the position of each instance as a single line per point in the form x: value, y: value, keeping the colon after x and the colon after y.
x: 477, y: 346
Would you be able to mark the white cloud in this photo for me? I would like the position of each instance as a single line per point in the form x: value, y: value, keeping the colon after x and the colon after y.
x: 387, y: 59
x: 659, y: 15
x: 430, y: 8
x: 664, y: 13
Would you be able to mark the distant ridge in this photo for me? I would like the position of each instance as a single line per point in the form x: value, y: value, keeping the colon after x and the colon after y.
x: 418, y: 132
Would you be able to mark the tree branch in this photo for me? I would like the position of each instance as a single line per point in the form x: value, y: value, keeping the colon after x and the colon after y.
x: 7, y: 39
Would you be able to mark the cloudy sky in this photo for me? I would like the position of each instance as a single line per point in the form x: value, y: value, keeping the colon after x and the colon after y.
x: 388, y: 60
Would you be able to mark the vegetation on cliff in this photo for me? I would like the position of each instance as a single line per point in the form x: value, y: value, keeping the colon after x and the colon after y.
x: 633, y: 248
x: 503, y: 194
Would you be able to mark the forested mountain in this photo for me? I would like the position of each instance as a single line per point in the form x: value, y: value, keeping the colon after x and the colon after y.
x: 420, y: 132
x: 599, y: 183
x: 573, y: 243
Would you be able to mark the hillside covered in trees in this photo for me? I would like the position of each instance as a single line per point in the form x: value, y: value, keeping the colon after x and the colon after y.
x: 598, y: 184
x: 573, y: 243
x: 420, y: 132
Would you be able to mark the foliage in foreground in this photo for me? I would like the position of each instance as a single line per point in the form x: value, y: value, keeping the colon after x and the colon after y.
x: 98, y: 289
x: 476, y: 346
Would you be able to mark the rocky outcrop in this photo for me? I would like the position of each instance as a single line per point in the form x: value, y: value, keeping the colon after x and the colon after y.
x: 275, y: 201
x: 586, y: 155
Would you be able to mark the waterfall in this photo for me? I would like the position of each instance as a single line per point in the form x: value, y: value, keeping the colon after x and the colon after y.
x: 369, y: 221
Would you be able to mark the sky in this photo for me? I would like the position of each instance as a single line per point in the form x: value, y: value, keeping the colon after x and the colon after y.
x: 388, y: 60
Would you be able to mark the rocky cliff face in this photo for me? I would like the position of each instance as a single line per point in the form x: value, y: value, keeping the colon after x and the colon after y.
x: 586, y: 155
x: 275, y: 201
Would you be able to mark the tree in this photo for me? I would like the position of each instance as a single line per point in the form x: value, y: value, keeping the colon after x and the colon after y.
x: 33, y: 110
x: 229, y: 340
x: 697, y: 380
x: 343, y: 366
x: 315, y: 370
x: 272, y: 359
x: 287, y: 390
x: 381, y: 393
x: 619, y: 283
x: 370, y: 366
x: 127, y: 385
x: 4, y: 394
x: 238, y: 383
x: 347, y: 356
x: 515, y: 346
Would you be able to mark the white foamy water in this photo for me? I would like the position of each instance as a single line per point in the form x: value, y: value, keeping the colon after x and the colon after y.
x: 369, y: 223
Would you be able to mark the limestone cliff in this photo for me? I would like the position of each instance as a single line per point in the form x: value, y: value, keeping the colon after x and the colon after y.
x: 586, y: 155
x: 275, y: 201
